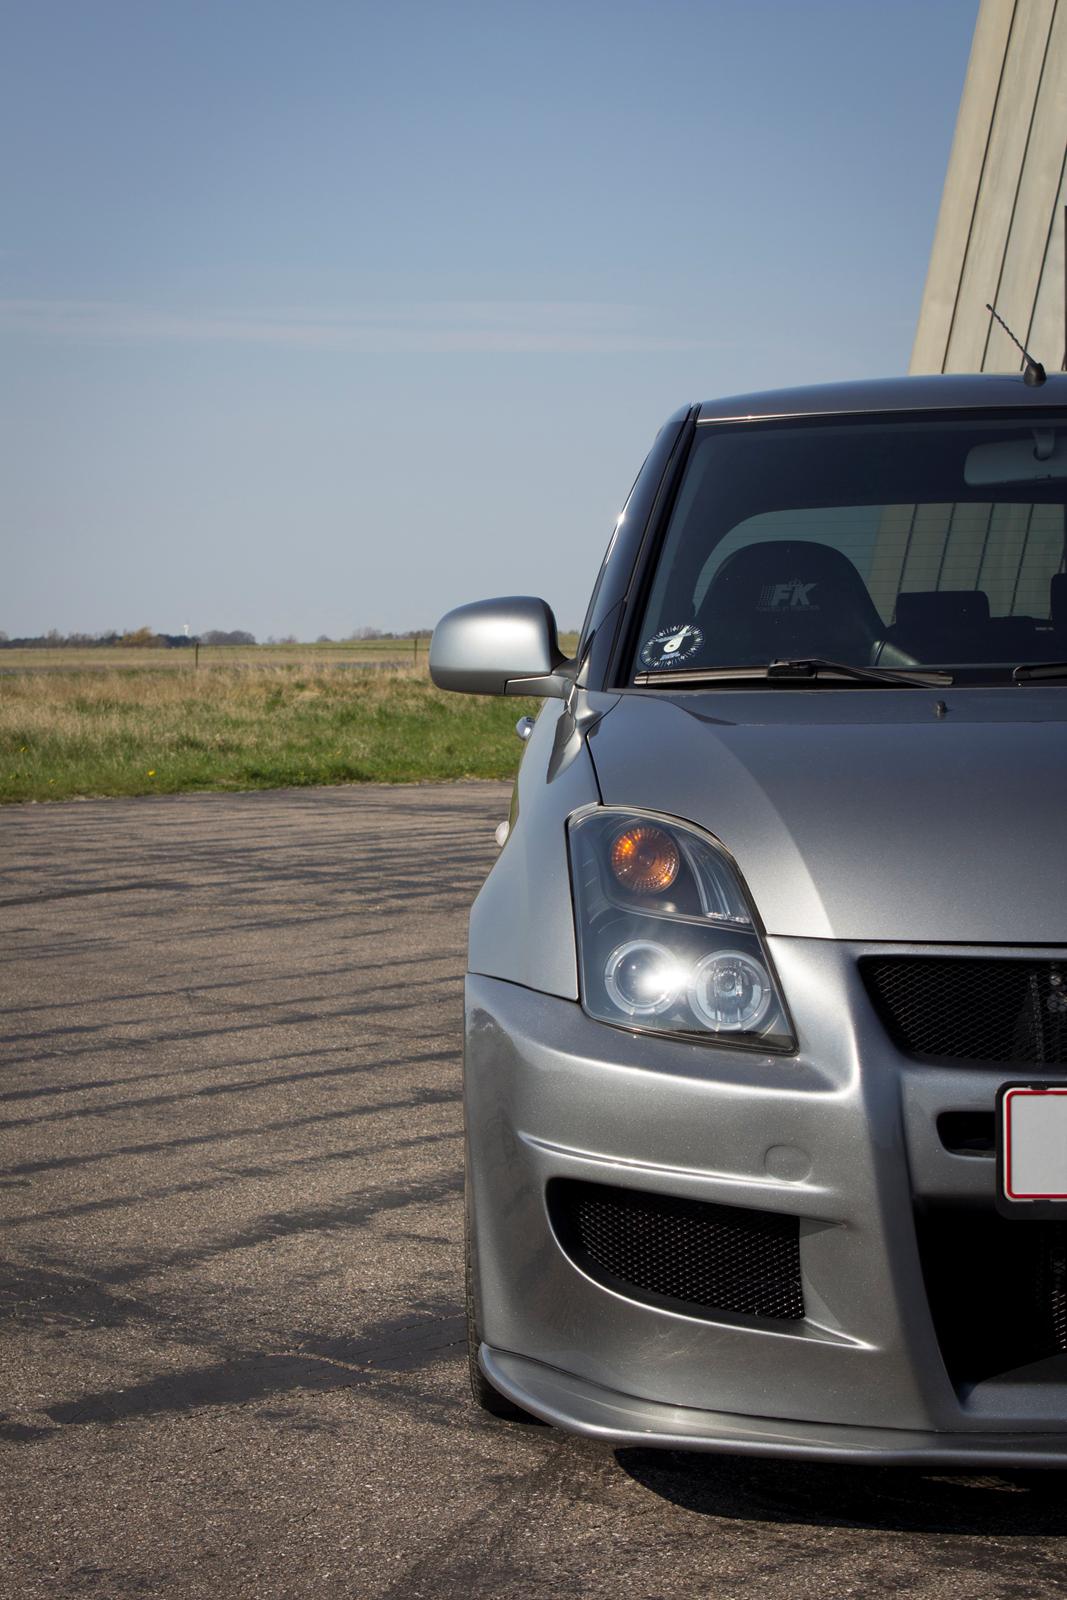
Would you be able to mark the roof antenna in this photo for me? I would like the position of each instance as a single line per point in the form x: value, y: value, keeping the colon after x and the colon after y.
x: 1035, y: 372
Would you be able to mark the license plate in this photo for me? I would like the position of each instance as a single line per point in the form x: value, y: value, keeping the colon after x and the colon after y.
x: 1032, y: 1149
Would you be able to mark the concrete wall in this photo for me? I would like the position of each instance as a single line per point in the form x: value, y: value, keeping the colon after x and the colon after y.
x: 1000, y: 231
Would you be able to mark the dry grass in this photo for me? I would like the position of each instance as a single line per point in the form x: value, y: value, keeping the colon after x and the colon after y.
x: 402, y: 652
x: 307, y: 657
x: 140, y: 731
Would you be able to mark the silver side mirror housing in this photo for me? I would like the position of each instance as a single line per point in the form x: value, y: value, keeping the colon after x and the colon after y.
x: 508, y: 646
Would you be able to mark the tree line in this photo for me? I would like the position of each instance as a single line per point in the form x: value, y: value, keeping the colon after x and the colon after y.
x: 133, y: 638
x: 148, y: 639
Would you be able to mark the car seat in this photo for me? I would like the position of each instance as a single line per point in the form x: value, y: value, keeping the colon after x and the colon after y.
x: 789, y: 598
x: 944, y: 625
x: 1058, y: 614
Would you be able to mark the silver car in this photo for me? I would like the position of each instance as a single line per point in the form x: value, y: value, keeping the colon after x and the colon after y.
x: 766, y: 1028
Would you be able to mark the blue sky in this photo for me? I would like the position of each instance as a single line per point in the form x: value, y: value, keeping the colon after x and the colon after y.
x: 329, y: 314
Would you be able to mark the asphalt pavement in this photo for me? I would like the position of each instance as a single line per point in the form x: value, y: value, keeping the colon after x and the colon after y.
x: 231, y: 1335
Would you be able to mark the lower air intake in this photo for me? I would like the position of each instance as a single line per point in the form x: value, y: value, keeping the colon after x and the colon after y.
x: 997, y: 1290
x: 682, y: 1255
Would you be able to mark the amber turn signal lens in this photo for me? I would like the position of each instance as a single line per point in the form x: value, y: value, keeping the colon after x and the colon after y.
x: 645, y: 859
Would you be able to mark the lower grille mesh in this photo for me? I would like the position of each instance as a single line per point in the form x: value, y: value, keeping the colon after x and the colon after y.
x: 681, y: 1253
x: 997, y: 1289
x: 973, y: 1009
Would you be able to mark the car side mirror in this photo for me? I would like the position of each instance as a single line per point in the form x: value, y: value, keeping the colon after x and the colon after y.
x: 508, y: 646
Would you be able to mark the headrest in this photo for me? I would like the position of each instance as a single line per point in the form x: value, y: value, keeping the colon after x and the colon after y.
x: 1058, y: 600
x: 785, y: 575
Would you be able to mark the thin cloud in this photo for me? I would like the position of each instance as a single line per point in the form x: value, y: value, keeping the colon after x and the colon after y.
x: 422, y: 327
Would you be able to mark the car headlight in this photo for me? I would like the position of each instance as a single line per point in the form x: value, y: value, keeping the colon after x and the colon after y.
x: 667, y: 938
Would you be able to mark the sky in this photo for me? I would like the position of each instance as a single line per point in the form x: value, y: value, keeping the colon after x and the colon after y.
x: 326, y: 315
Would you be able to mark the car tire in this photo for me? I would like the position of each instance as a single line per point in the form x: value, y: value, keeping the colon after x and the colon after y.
x: 486, y: 1398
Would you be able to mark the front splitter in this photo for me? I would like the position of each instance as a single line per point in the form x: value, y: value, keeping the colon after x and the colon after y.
x: 585, y: 1408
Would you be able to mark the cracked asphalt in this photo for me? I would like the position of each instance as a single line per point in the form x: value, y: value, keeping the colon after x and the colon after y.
x: 231, y: 1337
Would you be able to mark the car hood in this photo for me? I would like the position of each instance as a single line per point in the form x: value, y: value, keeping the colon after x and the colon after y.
x: 864, y: 814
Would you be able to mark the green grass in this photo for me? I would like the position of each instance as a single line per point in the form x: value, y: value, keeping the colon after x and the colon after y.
x: 146, y: 731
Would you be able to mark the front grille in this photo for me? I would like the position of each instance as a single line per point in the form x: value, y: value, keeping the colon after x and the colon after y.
x: 681, y: 1254
x: 997, y: 1290
x: 971, y: 1008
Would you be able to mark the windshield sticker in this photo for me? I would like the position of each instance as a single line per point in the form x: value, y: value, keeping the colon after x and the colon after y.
x: 791, y: 596
x: 671, y: 646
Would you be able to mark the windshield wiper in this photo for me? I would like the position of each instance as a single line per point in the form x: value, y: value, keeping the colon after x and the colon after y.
x: 1036, y: 670
x: 807, y: 669
x: 818, y: 666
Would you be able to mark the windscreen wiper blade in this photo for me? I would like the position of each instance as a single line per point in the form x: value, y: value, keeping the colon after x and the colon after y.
x: 1035, y: 671
x: 818, y: 666
x: 806, y: 670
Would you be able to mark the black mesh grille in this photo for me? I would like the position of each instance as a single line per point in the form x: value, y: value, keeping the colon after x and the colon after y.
x: 681, y: 1253
x: 973, y: 1009
x: 997, y: 1290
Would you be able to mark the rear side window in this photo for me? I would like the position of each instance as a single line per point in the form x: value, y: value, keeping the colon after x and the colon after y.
x: 930, y: 542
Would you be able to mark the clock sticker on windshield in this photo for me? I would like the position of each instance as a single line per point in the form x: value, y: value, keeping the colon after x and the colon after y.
x: 672, y: 646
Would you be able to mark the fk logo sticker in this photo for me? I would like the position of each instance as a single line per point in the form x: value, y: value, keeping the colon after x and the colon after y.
x: 792, y: 596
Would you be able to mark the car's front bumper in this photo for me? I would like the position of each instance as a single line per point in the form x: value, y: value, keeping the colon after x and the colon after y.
x: 621, y: 1419
x: 843, y: 1137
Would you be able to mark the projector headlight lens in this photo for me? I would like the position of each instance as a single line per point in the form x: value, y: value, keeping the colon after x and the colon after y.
x: 667, y: 936
x: 642, y: 978
x: 730, y: 992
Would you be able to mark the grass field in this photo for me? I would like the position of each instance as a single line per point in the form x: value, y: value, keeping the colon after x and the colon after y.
x: 358, y: 652
x: 258, y: 723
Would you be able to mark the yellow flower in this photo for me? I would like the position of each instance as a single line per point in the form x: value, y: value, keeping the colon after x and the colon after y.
x: 151, y: 772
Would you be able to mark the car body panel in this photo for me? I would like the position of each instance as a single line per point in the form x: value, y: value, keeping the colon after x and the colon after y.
x: 962, y: 391
x: 842, y: 806
x: 622, y: 1419
x: 550, y: 1093
x: 522, y: 923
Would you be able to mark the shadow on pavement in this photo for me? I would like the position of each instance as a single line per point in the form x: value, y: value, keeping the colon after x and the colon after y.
x: 902, y: 1499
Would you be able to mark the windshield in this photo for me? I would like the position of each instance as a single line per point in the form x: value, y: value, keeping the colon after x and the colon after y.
x: 882, y: 544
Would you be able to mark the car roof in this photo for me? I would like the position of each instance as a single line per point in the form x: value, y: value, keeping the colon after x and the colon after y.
x: 948, y: 391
